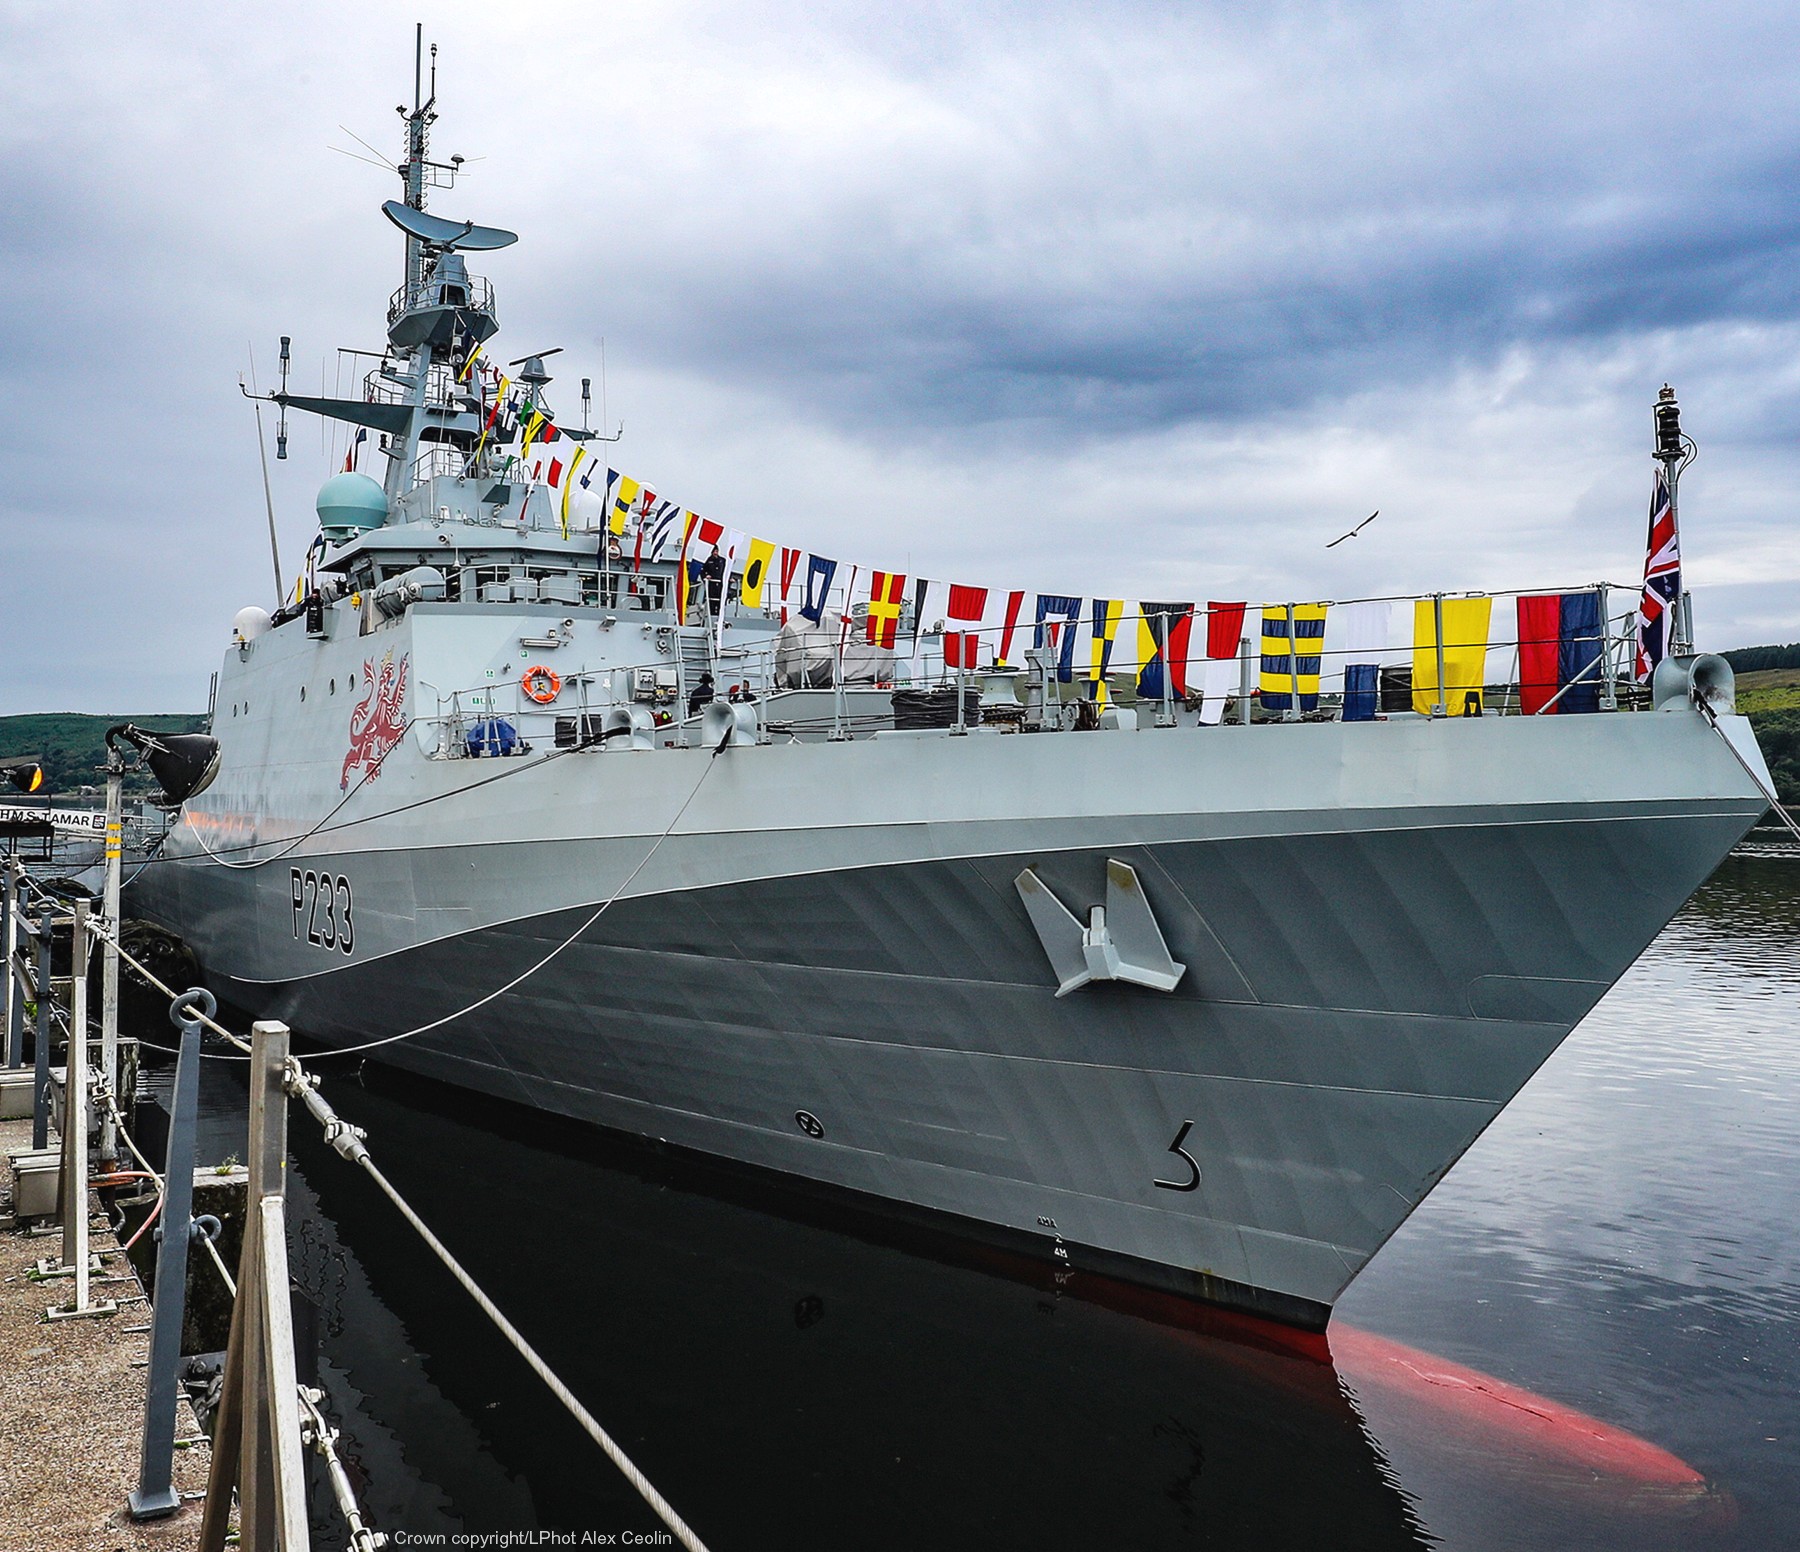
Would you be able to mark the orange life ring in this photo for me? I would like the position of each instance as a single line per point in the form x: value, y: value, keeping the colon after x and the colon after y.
x: 540, y: 684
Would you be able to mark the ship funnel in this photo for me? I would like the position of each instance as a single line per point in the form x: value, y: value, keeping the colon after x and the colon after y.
x: 1682, y: 681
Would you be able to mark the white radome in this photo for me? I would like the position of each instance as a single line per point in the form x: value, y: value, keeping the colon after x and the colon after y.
x: 587, y: 508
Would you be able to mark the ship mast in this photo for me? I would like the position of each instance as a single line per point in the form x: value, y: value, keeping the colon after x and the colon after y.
x: 1675, y: 451
x: 418, y: 137
x: 438, y: 315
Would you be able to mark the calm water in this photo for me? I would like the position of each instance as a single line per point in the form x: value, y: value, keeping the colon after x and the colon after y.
x: 1624, y: 1241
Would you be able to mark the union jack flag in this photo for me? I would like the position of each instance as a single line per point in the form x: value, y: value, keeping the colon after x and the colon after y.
x: 1662, y: 583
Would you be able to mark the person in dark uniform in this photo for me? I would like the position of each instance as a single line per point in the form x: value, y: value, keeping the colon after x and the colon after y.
x: 714, y: 572
x: 700, y: 695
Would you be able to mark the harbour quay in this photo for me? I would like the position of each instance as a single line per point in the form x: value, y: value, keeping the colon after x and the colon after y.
x: 72, y: 1395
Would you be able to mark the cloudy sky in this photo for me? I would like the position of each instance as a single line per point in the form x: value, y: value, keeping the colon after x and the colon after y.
x: 1145, y: 300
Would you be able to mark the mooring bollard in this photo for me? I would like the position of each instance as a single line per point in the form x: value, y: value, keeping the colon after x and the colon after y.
x: 155, y: 1496
x: 40, y: 1084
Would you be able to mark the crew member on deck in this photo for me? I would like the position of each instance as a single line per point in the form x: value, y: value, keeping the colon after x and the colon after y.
x: 714, y: 572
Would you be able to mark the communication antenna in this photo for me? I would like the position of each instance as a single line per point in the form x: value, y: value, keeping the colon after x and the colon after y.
x: 617, y: 435
x: 262, y: 452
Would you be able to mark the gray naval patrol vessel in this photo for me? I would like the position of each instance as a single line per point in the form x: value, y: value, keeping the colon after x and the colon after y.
x: 1204, y: 1008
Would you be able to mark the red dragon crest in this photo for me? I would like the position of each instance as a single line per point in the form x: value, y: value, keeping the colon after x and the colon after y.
x: 378, y: 718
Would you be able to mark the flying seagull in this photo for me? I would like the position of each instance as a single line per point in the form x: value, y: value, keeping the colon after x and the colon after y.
x: 1354, y: 531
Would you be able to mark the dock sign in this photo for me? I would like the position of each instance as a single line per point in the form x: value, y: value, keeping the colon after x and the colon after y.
x: 65, y: 821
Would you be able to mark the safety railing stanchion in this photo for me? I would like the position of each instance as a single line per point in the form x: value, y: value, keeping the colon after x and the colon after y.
x: 256, y: 1437
x: 155, y: 1495
x: 75, y: 1254
x: 40, y: 1084
x: 109, y: 952
x: 74, y: 1122
x: 12, y: 1037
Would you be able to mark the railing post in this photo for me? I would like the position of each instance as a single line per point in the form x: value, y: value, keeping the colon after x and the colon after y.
x: 1609, y: 696
x: 1441, y: 706
x: 74, y: 1123
x: 109, y: 954
x: 256, y: 1435
x: 155, y: 1496
x: 1244, y: 685
x: 75, y: 1252
x: 1293, y: 711
x: 12, y: 1044
x: 40, y: 1086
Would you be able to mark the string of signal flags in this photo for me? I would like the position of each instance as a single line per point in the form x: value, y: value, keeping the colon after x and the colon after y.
x: 1561, y: 635
x: 1182, y: 647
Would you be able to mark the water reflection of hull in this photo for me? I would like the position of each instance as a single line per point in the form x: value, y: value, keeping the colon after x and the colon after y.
x: 788, y: 1385
x: 1520, y: 1440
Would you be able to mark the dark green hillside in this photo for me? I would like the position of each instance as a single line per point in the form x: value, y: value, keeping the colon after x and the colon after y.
x: 1749, y: 660
x: 73, y: 746
x: 1779, y: 734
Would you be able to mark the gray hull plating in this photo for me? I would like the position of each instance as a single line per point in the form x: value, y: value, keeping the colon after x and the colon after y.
x: 1387, y: 930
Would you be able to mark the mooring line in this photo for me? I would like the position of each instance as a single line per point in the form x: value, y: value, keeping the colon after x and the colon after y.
x: 524, y: 975
x: 1712, y: 721
x: 347, y: 1140
x: 97, y: 928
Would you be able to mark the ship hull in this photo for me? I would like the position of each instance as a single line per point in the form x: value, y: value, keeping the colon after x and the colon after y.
x: 817, y: 963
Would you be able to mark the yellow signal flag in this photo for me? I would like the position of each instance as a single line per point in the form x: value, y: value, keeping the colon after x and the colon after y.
x: 1466, y: 623
x: 569, y: 485
x: 535, y: 424
x: 681, y: 570
x: 758, y: 560
x: 1149, y: 649
x: 1107, y: 613
x: 620, y: 509
x: 1291, y: 662
x: 494, y: 414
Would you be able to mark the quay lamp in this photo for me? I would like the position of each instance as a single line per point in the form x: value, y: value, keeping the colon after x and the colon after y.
x: 24, y: 771
x: 182, y: 763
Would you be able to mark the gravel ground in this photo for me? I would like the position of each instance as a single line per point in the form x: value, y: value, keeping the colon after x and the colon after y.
x: 72, y: 1404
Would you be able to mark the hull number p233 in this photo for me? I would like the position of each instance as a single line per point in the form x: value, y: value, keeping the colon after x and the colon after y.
x: 324, y: 910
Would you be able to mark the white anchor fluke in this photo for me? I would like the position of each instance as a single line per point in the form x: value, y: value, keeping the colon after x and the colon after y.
x: 1120, y: 943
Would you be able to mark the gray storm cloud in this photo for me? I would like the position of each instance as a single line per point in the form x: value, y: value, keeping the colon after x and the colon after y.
x: 1128, y: 298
